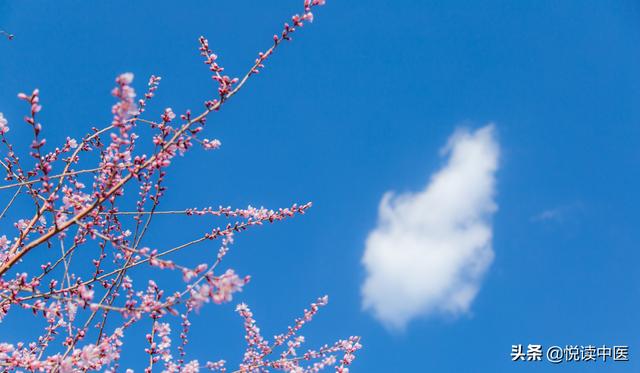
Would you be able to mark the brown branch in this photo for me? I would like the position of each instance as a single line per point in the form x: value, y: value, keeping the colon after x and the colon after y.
x: 72, y: 173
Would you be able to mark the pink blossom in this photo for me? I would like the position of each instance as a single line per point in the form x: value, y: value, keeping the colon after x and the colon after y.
x: 168, y: 115
x: 211, y: 144
x: 85, y: 293
x: 4, y: 124
x: 88, y: 357
x: 125, y: 78
x: 4, y: 242
x: 22, y: 224
x: 218, y: 365
x: 226, y: 285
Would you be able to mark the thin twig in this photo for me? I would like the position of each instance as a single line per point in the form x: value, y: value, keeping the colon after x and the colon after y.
x: 7, y: 35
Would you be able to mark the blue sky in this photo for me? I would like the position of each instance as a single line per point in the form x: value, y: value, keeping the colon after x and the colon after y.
x: 360, y: 104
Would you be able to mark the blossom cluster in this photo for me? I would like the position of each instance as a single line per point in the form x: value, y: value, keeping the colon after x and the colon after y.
x: 70, y: 261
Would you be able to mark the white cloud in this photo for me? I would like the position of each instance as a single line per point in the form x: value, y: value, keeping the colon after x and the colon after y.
x: 560, y: 214
x: 430, y: 249
x: 551, y: 214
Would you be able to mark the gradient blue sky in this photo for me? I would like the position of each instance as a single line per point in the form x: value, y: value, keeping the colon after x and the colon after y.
x: 360, y: 104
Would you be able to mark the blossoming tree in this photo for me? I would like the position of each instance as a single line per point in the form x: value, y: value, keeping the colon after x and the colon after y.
x: 78, y: 192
